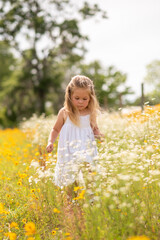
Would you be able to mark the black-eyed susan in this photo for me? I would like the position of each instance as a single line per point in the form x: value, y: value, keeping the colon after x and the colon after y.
x: 53, y: 232
x: 24, y: 220
x: 19, y: 183
x: 30, y: 228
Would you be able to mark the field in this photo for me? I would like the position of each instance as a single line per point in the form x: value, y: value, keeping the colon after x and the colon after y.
x: 120, y: 199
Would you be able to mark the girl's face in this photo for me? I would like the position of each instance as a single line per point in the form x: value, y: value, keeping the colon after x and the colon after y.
x: 80, y: 98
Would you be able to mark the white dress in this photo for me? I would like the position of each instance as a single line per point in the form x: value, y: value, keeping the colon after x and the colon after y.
x: 76, y: 145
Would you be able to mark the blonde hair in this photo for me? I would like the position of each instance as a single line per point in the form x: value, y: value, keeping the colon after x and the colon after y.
x: 80, y: 81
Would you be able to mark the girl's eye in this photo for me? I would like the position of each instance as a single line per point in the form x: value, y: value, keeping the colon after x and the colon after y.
x: 84, y: 99
x: 77, y: 98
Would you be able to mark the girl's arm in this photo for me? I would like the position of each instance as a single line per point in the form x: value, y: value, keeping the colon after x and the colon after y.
x: 97, y: 132
x: 56, y: 129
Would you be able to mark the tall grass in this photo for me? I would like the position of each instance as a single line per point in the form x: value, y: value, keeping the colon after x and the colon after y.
x: 120, y: 199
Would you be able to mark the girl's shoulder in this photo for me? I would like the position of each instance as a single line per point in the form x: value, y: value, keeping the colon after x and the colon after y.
x: 63, y: 113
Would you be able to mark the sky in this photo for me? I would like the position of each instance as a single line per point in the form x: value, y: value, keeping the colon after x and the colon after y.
x: 129, y: 39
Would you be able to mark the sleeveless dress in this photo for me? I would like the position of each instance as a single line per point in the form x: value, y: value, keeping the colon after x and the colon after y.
x: 76, y: 146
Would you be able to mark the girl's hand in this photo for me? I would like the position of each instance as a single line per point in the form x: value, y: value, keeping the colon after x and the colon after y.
x: 49, y: 147
x: 100, y: 137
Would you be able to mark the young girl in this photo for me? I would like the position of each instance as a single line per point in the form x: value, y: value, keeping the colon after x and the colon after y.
x: 77, y: 125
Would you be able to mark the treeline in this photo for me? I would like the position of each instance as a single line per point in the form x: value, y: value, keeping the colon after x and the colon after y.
x: 33, y: 86
x: 41, y: 48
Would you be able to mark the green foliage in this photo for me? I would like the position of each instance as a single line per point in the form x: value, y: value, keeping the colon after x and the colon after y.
x: 54, y: 40
x: 153, y: 74
x: 110, y: 84
x: 151, y: 79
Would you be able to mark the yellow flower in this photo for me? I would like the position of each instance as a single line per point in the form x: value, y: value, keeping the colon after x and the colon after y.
x: 67, y: 234
x: 53, y: 232
x: 81, y: 195
x: 77, y: 188
x: 24, y: 220
x: 1, y: 208
x: 30, y: 238
x: 30, y: 228
x: 32, y: 190
x: 14, y: 225
x: 55, y: 210
x: 138, y: 238
x: 11, y: 235
x: 19, y: 183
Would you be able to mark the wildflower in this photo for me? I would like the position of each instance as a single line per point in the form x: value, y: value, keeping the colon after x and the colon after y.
x: 34, y: 164
x: 14, y: 225
x: 30, y: 238
x: 81, y: 195
x: 1, y: 208
x: 24, y: 220
x: 67, y: 234
x: 138, y: 238
x: 32, y: 190
x: 53, y: 232
x: 30, y: 228
x: 19, y: 183
x: 55, y: 210
x: 77, y: 188
x: 11, y: 235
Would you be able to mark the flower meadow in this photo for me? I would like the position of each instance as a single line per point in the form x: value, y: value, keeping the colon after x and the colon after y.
x: 119, y: 200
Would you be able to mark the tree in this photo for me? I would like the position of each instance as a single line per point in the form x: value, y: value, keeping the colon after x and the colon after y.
x: 51, y: 35
x: 153, y: 74
x: 110, y: 84
x: 7, y: 68
x: 152, y: 78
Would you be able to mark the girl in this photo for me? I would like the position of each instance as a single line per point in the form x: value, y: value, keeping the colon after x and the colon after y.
x: 77, y: 125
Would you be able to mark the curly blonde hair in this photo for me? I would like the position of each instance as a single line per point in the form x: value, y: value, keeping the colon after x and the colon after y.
x: 80, y: 81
